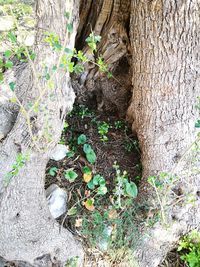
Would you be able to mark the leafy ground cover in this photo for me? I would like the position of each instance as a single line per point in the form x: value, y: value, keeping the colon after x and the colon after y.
x: 100, y: 173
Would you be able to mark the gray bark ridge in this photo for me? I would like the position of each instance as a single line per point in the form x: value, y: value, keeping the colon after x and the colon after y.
x: 165, y: 38
x: 28, y: 233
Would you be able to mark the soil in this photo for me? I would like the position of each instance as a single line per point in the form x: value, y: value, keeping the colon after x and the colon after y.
x: 121, y: 147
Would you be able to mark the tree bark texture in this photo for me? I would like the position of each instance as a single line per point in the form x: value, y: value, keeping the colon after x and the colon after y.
x: 27, y: 231
x: 110, y: 20
x: 165, y: 38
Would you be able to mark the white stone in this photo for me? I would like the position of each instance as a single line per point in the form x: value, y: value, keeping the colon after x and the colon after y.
x: 57, y: 200
x: 6, y: 23
x: 29, y: 41
x: 59, y: 152
x: 104, y: 242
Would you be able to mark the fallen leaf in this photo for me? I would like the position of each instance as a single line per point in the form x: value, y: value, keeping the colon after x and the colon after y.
x: 87, y: 177
x: 78, y: 222
x: 87, y: 193
x: 112, y: 214
x: 89, y: 204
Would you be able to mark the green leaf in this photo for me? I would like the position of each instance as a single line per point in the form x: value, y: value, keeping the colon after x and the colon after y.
x: 12, y: 86
x: 91, y: 185
x: 102, y: 190
x: 12, y: 37
x: 70, y: 67
x: 87, y: 148
x: 8, y: 64
x: 72, y: 211
x: 1, y: 77
x: 32, y: 56
x: 54, y: 68
x: 67, y: 15
x: 82, y: 139
x: 197, y: 124
x: 78, y: 68
x: 96, y: 179
x: 53, y: 171
x: 131, y: 189
x: 70, y: 27
x: 47, y: 77
x: 69, y: 51
x: 70, y: 154
x: 91, y: 157
x: 7, y: 53
x: 71, y: 175
x: 87, y: 170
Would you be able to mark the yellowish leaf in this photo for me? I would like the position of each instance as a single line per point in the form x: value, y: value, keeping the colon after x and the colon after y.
x: 87, y: 177
x: 89, y: 204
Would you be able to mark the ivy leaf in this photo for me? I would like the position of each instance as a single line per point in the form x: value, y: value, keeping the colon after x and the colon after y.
x: 70, y: 175
x: 87, y: 148
x: 131, y: 189
x: 81, y: 139
x: 98, y: 179
x: 91, y: 185
x: 91, y: 157
x: 53, y: 171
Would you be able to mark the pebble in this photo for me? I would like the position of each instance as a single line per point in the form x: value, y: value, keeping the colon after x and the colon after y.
x: 59, y: 152
x: 57, y: 200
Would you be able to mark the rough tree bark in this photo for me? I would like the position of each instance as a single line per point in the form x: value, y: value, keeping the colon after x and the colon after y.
x: 163, y: 77
x: 164, y: 43
x: 165, y: 40
x: 27, y: 231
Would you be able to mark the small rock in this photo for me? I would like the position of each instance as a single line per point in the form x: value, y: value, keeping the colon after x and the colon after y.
x: 103, y: 244
x: 57, y: 200
x: 7, y: 23
x: 59, y: 152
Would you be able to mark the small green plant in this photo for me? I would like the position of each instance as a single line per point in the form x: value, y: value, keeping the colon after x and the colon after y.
x: 131, y: 144
x: 81, y: 139
x: 123, y: 187
x: 189, y: 248
x: 119, y: 125
x: 72, y: 262
x: 90, y: 154
x: 99, y: 181
x: 53, y: 171
x: 81, y: 111
x: 103, y: 128
x: 20, y: 161
x: 70, y: 175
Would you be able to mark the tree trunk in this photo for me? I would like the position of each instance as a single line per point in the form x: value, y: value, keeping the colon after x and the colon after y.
x: 165, y: 39
x: 27, y: 230
x: 152, y: 47
x: 164, y: 43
